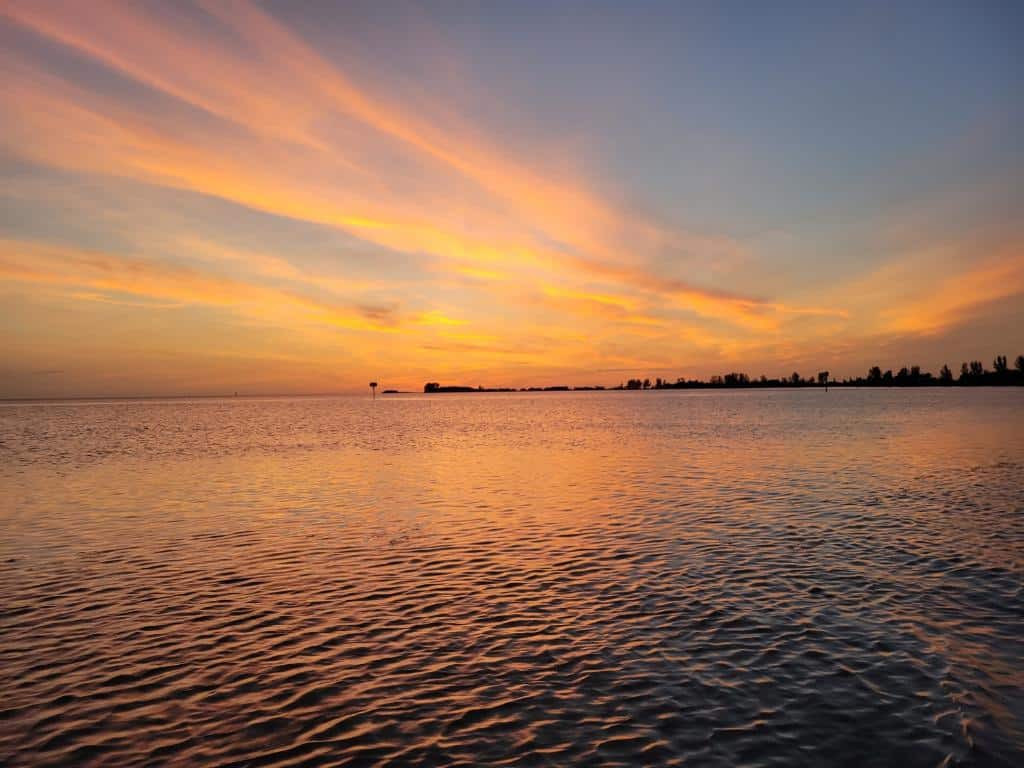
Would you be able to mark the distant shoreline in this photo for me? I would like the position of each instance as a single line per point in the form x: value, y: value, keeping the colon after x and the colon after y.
x: 831, y: 385
x: 470, y: 391
x: 973, y: 374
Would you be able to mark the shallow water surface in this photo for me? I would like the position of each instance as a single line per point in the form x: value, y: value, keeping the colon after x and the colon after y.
x: 621, y: 578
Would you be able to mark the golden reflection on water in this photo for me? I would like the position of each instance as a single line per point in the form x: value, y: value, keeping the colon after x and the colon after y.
x: 619, y: 578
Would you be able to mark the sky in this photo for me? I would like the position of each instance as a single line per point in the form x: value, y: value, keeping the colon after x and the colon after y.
x: 273, y: 197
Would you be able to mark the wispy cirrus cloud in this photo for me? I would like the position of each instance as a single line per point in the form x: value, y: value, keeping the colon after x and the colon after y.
x: 464, y: 250
x: 278, y: 98
x: 120, y: 275
x: 948, y: 300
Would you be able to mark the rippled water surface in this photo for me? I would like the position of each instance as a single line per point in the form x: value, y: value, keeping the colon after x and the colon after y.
x: 622, y: 578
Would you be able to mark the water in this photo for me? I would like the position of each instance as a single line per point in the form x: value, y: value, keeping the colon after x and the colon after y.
x: 622, y: 578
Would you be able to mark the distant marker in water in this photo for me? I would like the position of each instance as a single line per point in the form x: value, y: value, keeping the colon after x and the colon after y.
x: 373, y: 388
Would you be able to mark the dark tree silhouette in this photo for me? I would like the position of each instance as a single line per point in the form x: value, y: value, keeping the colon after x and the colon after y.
x: 971, y: 374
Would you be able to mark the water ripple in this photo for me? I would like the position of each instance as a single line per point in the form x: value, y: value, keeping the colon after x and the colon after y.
x: 538, y: 580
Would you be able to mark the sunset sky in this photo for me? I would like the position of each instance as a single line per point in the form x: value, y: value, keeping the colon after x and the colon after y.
x: 302, y: 197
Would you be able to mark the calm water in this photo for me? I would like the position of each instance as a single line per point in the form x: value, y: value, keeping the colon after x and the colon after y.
x: 739, y: 578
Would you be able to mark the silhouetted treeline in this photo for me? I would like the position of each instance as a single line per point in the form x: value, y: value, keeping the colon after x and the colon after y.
x: 433, y: 386
x: 731, y: 380
x: 971, y: 374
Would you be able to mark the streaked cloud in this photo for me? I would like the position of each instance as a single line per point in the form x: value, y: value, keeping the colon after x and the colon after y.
x: 467, y: 244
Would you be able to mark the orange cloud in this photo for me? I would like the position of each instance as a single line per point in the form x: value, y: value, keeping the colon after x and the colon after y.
x: 504, y: 261
x: 36, y: 263
x: 278, y: 96
x: 952, y: 299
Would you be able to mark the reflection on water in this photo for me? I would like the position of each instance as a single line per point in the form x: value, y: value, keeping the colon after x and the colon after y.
x: 732, y: 578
